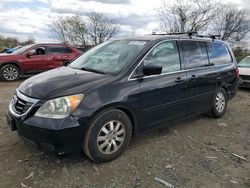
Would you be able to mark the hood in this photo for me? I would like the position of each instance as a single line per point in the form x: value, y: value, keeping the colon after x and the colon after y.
x: 61, y: 82
x: 244, y: 70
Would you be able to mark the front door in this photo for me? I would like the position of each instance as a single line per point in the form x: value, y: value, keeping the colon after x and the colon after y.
x: 36, y: 60
x: 163, y: 97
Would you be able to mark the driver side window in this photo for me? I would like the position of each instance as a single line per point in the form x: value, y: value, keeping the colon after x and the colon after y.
x: 38, y: 51
x: 166, y: 55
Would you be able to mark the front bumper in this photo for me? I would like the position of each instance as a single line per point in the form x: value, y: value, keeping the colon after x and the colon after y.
x: 52, y: 135
x: 245, y: 81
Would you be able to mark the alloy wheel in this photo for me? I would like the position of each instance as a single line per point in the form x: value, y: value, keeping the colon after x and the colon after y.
x: 111, y: 137
x: 10, y: 73
x: 220, y: 102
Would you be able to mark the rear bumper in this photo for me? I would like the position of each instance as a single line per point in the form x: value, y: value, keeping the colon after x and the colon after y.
x: 233, y: 89
x: 66, y: 137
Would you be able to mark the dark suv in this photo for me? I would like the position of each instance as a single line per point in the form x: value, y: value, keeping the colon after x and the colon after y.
x: 35, y: 58
x: 121, y: 88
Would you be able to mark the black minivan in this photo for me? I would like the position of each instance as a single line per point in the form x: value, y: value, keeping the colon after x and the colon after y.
x: 121, y: 88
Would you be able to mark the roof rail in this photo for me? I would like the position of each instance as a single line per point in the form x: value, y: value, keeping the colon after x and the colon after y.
x: 190, y: 34
x: 213, y: 37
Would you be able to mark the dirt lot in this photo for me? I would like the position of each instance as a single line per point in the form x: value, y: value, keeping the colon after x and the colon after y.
x: 194, y: 153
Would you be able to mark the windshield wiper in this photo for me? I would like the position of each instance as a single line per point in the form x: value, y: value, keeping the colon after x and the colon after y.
x: 92, y: 70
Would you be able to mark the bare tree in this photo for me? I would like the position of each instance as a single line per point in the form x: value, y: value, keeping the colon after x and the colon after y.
x: 101, y: 28
x: 70, y: 30
x: 232, y: 23
x: 59, y: 29
x: 77, y: 31
x: 95, y: 29
x: 186, y: 15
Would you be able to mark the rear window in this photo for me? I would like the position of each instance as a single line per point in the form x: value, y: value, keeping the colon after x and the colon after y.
x: 218, y: 53
x: 195, y: 54
x: 59, y: 50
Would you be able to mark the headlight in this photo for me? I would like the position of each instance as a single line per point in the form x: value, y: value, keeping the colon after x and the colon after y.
x: 60, y: 107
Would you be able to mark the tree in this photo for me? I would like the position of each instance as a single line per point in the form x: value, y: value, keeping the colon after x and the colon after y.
x: 59, y: 28
x: 70, y: 30
x: 94, y: 29
x: 30, y: 40
x: 186, y: 15
x: 232, y: 24
x: 101, y: 28
x: 77, y: 31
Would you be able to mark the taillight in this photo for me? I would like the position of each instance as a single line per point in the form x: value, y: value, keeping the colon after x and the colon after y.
x: 237, y: 72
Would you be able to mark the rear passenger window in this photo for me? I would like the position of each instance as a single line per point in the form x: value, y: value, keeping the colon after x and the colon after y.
x: 218, y: 53
x: 166, y: 55
x: 66, y: 50
x: 195, y: 54
x: 59, y: 50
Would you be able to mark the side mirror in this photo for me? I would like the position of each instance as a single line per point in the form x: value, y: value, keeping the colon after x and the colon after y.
x: 152, y: 70
x: 29, y: 54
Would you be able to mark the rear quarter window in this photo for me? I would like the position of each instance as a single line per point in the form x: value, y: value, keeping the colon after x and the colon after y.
x: 218, y: 53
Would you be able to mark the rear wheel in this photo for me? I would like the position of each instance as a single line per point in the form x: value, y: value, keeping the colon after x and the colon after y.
x: 9, y: 72
x: 220, y: 104
x: 108, y: 136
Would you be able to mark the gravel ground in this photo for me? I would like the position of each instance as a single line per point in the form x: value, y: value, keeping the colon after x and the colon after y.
x: 194, y: 153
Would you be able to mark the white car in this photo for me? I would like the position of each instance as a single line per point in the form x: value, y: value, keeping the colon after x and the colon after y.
x: 244, y: 71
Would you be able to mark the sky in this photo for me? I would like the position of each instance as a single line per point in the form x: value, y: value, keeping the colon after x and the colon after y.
x: 24, y: 18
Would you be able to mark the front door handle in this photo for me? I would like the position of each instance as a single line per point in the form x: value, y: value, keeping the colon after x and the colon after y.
x: 179, y: 80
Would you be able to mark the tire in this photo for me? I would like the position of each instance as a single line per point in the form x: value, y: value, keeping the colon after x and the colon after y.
x: 10, y: 73
x: 100, y: 129
x: 219, y: 104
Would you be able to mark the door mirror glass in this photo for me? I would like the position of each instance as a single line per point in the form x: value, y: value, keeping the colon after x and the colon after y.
x: 152, y: 70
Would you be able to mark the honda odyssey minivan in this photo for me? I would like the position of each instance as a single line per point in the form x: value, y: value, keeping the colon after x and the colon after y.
x: 99, y: 101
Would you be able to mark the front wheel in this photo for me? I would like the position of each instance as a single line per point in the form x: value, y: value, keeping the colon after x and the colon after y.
x: 219, y: 104
x: 9, y: 72
x: 108, y: 136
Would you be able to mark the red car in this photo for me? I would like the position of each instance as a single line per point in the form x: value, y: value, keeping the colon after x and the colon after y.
x: 35, y: 58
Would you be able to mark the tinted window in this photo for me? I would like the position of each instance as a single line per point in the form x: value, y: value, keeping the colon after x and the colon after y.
x: 165, y: 54
x: 59, y: 50
x: 218, y: 53
x: 66, y: 50
x: 195, y: 54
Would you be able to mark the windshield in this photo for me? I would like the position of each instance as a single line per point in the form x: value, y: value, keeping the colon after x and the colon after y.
x: 22, y: 49
x: 245, y: 62
x: 110, y: 57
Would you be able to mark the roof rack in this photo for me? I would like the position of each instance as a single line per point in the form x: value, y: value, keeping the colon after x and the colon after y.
x: 213, y: 37
x: 190, y: 34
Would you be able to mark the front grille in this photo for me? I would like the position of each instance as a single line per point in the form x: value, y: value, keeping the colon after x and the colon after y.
x: 245, y: 77
x: 21, y: 104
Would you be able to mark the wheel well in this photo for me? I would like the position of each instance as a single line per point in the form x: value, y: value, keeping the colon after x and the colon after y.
x: 223, y: 87
x: 131, y: 117
x: 11, y: 63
